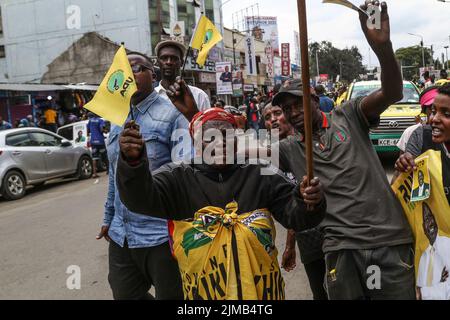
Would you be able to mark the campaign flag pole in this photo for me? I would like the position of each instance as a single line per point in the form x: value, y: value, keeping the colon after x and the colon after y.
x: 301, y: 6
x: 131, y: 106
x: 205, y: 37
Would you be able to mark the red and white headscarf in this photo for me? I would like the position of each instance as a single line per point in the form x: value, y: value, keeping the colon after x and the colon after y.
x: 213, y: 114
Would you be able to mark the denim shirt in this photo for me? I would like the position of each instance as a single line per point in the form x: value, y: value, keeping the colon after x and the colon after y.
x: 157, y: 118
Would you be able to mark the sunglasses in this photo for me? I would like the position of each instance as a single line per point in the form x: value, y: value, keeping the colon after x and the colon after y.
x: 138, y: 68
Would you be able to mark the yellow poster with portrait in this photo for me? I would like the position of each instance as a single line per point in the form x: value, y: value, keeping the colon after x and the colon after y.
x: 430, y: 223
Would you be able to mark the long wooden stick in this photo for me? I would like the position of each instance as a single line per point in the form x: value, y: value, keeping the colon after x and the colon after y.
x: 301, y: 6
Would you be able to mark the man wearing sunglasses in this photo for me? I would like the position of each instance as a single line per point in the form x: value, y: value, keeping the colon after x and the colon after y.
x: 170, y: 60
x: 139, y: 251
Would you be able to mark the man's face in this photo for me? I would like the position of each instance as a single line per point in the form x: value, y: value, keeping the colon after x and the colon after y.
x: 440, y: 119
x: 212, y: 143
x: 274, y: 119
x: 429, y: 224
x: 144, y: 77
x: 169, y: 60
x: 227, y: 69
x: 292, y: 107
x: 421, y: 178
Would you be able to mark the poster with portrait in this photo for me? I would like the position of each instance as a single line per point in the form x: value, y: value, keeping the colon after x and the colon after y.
x: 80, y: 134
x: 264, y: 28
x: 224, y: 78
x: 421, y: 188
x: 430, y: 223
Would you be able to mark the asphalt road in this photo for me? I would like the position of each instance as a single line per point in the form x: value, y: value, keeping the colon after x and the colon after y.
x: 54, y: 227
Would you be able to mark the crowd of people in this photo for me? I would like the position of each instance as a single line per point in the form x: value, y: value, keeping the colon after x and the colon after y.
x: 204, y: 229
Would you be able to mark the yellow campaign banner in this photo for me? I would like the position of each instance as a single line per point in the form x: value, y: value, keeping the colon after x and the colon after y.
x: 112, y: 99
x: 225, y: 256
x: 205, y: 37
x: 423, y: 199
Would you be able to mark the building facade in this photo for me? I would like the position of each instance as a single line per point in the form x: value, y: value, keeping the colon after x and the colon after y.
x: 34, y: 33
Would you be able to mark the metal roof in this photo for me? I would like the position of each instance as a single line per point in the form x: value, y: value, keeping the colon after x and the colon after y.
x: 44, y: 87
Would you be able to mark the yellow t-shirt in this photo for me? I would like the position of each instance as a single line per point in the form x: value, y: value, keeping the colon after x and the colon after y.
x: 50, y: 116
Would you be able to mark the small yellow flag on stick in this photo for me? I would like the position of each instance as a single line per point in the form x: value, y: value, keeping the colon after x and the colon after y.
x: 112, y: 99
x: 205, y: 37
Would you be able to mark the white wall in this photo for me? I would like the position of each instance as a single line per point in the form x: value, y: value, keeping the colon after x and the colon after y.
x: 36, y: 31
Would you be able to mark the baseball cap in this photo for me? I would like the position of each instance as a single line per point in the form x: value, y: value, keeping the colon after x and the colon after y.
x: 170, y: 43
x: 290, y: 87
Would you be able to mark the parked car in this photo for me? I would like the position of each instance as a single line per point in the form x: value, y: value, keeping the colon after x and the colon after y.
x: 395, y: 119
x: 77, y: 134
x: 32, y: 156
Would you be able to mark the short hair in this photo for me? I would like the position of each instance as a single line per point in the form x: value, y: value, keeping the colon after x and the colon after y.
x: 445, y: 89
x: 319, y: 89
x: 444, y: 74
x: 135, y: 53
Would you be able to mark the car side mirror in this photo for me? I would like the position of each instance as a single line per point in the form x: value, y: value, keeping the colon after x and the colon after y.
x: 66, y: 144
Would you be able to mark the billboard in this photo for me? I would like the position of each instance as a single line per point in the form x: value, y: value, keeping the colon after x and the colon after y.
x: 224, y: 78
x: 250, y: 56
x: 285, y: 60
x: 269, y: 57
x: 265, y: 29
x: 237, y: 83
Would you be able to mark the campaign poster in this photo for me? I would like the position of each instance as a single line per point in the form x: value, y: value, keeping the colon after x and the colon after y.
x: 265, y: 29
x: 224, y: 78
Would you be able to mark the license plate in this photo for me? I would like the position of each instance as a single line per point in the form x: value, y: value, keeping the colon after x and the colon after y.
x: 388, y: 142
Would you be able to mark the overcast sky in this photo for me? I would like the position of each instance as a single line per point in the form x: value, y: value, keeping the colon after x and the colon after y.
x: 340, y: 25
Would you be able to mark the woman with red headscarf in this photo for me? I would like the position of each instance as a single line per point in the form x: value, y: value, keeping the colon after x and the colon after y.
x: 222, y: 228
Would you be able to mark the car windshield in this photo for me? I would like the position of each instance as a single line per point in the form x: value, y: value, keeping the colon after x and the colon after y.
x: 410, y: 94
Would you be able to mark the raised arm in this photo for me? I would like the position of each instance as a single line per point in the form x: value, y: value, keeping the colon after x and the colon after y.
x: 391, y: 80
x: 138, y: 189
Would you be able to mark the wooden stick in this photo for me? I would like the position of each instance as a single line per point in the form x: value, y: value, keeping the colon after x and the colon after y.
x: 301, y: 6
x: 185, y: 61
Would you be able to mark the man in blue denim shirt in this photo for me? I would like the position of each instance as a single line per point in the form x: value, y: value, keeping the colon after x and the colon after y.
x: 139, y: 251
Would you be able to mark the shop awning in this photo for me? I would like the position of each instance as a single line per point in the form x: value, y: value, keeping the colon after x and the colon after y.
x: 44, y: 87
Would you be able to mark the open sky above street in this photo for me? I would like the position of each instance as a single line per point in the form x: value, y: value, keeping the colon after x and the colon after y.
x: 340, y: 25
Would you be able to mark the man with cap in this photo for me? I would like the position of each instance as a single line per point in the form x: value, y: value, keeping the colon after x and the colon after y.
x: 170, y: 59
x: 367, y: 238
x: 223, y: 232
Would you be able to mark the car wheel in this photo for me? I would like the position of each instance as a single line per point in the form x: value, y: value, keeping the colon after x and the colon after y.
x: 13, y: 186
x: 84, y: 168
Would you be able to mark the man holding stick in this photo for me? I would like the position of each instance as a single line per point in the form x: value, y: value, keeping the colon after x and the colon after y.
x: 367, y: 244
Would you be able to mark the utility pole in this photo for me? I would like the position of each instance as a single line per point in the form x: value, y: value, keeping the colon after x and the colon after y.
x: 421, y: 44
x: 446, y: 57
x: 317, y: 63
x: 158, y: 14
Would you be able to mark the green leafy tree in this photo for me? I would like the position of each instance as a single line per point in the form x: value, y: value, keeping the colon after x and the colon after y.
x: 333, y: 60
x: 411, y: 60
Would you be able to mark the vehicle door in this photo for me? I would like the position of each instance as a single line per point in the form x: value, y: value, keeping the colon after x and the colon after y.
x: 29, y: 157
x: 59, y: 160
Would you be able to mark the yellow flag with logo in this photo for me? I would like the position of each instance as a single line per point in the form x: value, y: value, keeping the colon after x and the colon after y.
x: 223, y: 255
x: 205, y: 37
x: 429, y: 218
x: 112, y: 99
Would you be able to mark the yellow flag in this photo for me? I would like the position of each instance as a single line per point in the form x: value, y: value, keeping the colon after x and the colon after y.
x: 112, y: 99
x: 205, y: 37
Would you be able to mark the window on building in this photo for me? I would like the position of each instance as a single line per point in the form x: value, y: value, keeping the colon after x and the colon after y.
x: 2, y: 52
x: 209, y: 9
x: 1, y: 24
x: 159, y: 11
